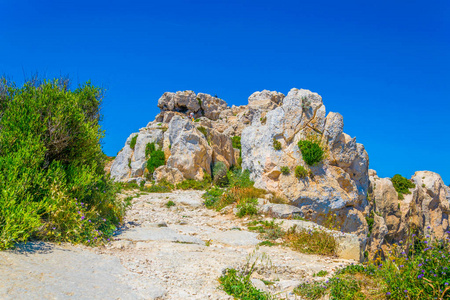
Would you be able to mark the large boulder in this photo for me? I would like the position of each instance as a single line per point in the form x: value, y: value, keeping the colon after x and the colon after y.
x: 335, y: 187
x: 120, y: 168
x: 180, y: 102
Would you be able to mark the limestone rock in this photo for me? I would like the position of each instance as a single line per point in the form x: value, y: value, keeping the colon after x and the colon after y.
x: 169, y: 174
x: 190, y: 152
x: 120, y: 167
x: 211, y: 107
x: 337, y: 186
x: 266, y: 100
x: 280, y: 211
x: 185, y: 101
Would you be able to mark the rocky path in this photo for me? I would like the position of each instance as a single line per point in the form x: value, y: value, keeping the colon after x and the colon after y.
x: 175, y: 252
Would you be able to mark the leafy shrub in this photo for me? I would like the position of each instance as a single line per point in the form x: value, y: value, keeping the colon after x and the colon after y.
x: 276, y: 144
x: 236, y: 141
x: 240, y: 286
x: 170, y: 203
x: 402, y: 185
x: 220, y: 174
x: 157, y: 159
x: 239, y: 178
x: 247, y: 207
x: 51, y: 165
x: 269, y: 229
x: 285, y: 170
x: 301, y: 172
x: 133, y: 141
x: 321, y: 273
x: 312, y: 153
x: 149, y: 149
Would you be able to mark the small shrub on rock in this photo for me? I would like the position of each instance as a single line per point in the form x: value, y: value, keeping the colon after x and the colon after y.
x: 133, y: 141
x: 276, y: 144
x: 157, y: 159
x: 301, y: 172
x: 203, y: 130
x: 402, y: 185
x: 247, y: 207
x: 236, y: 140
x: 285, y: 170
x: 312, y: 152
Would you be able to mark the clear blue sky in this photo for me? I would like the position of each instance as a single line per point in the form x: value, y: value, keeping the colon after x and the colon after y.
x: 384, y: 65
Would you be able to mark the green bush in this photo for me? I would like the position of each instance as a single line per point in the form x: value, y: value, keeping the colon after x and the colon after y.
x: 133, y: 141
x: 155, y: 158
x: 247, y: 207
x: 191, y: 184
x: 212, y: 196
x: 301, y: 172
x: 285, y: 170
x: 402, y: 185
x: 52, y: 167
x: 149, y: 149
x: 239, y: 178
x: 236, y: 141
x: 240, y: 286
x: 276, y: 144
x: 312, y: 153
x: 220, y: 174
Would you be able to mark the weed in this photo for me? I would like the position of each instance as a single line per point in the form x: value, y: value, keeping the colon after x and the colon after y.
x: 170, y: 203
x: 247, y: 207
x: 321, y: 273
x: 133, y: 141
x: 191, y: 184
x: 315, y: 241
x: 239, y: 286
x: 236, y: 141
x: 285, y: 170
x: 203, y: 130
x: 267, y: 243
x: 276, y: 144
x: 263, y: 120
x: 401, y: 185
x: 301, y: 172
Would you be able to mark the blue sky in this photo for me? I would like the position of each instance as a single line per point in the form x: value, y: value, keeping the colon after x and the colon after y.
x: 384, y: 65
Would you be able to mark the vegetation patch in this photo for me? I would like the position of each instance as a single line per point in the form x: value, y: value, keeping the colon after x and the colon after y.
x: 238, y: 285
x: 133, y: 141
x: 315, y: 241
x: 170, y: 203
x: 285, y: 170
x: 276, y: 144
x: 402, y: 185
x: 155, y: 158
x: 312, y: 152
x: 247, y: 207
x: 220, y: 174
x: 52, y: 166
x: 191, y: 184
x: 301, y: 172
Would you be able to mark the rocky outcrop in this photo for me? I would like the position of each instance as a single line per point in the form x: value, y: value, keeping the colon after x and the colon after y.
x: 424, y: 211
x: 336, y: 186
x: 336, y: 191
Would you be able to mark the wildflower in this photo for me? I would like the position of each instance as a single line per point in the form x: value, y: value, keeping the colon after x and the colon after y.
x: 388, y: 293
x: 419, y: 276
x: 89, y: 241
x: 401, y: 266
x: 89, y: 221
x: 420, y: 265
x: 428, y: 227
x: 405, y: 291
x: 82, y: 217
x: 446, y: 283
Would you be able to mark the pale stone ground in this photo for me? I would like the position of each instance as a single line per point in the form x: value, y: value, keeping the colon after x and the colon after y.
x: 161, y: 253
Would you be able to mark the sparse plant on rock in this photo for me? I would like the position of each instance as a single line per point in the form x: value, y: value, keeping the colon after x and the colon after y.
x: 301, y: 172
x: 276, y: 144
x: 285, y: 170
x: 312, y: 152
x: 133, y: 141
x: 402, y: 185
